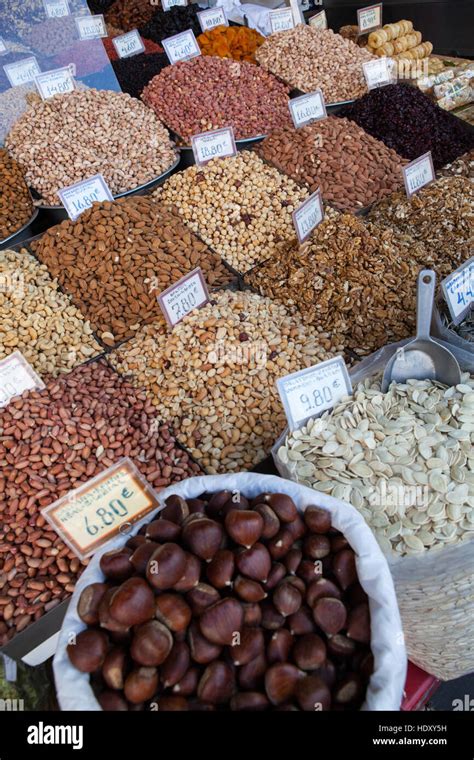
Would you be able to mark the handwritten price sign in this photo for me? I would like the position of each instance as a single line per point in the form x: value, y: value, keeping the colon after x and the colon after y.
x: 190, y: 292
x: 181, y: 47
x: 80, y: 196
x: 220, y: 143
x: 307, y: 216
x: 281, y: 20
x: 418, y: 174
x: 22, y: 71
x: 458, y: 291
x: 369, y: 18
x: 128, y: 44
x: 307, y: 108
x: 54, y: 82
x: 16, y: 377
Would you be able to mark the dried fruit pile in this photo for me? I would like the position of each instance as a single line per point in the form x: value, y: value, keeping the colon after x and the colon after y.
x: 236, y: 42
x: 225, y: 603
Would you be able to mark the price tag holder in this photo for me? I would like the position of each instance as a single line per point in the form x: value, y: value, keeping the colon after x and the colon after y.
x: 128, y: 44
x: 56, y: 8
x: 168, y: 4
x: 88, y: 517
x: 211, y: 18
x: 181, y: 47
x: 219, y: 143
x: 369, y: 18
x: 54, y: 82
x: 311, y: 391
x: 377, y: 73
x: 22, y: 71
x: 418, y: 173
x: 307, y: 108
x: 80, y: 196
x: 458, y: 291
x: 190, y: 292
x: 307, y: 216
x: 3, y: 47
x: 91, y: 27
x: 281, y: 19
x: 319, y: 21
x: 16, y: 377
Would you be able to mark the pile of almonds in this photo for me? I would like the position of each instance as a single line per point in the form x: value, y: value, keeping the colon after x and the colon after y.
x: 352, y: 168
x: 118, y: 257
x: 51, y: 441
x: 222, y: 602
x: 213, y: 378
x: 16, y: 206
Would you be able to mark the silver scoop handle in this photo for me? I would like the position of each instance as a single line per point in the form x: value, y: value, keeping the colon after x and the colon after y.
x: 425, y: 298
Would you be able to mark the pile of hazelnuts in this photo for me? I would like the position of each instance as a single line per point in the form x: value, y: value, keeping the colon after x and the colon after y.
x: 222, y: 602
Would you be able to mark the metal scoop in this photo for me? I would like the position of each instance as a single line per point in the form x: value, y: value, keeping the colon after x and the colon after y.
x: 422, y: 358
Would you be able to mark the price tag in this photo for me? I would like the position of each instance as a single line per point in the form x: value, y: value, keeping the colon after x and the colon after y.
x: 128, y: 44
x: 167, y: 4
x: 211, y: 18
x: 56, y: 8
x: 311, y: 391
x: 190, y: 292
x: 220, y: 143
x: 181, y: 47
x: 80, y: 196
x: 377, y: 73
x: 16, y: 377
x: 98, y: 510
x: 22, y: 71
x: 319, y: 21
x: 418, y: 173
x: 281, y: 19
x: 91, y: 27
x: 55, y: 82
x: 3, y: 47
x: 307, y: 216
x: 307, y: 108
x: 369, y: 18
x: 458, y: 290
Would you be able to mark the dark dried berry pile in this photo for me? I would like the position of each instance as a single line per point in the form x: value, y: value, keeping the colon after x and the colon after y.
x: 406, y: 120
x: 99, y: 6
x: 135, y: 72
x: 166, y: 23
x: 225, y: 603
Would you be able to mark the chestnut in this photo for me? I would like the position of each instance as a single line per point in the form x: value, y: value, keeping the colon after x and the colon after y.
x: 317, y: 520
x: 188, y: 683
x: 356, y: 595
x: 309, y: 652
x: 281, y: 681
x: 279, y: 646
x: 250, y: 676
x: 236, y: 502
x: 296, y: 528
x: 141, y: 685
x: 330, y: 614
x: 222, y: 621
x: 202, y: 650
x: 272, y: 619
x: 327, y: 672
x: 191, y: 575
x: 249, y: 591
x: 133, y: 602
x: 116, y: 564
x: 255, y: 563
x: 89, y: 602
x: 250, y: 701
x: 151, y: 643
x: 217, y: 683
x: 244, y: 526
x: 358, y: 624
x: 141, y: 555
x: 201, y: 597
x: 292, y: 560
x: 309, y: 570
x: 319, y: 588
x: 287, y: 599
x: 338, y: 543
x: 277, y: 573
x: 112, y: 701
x: 115, y: 667
x: 250, y: 645
x: 106, y: 620
x: 302, y: 621
x: 203, y: 537
x: 271, y: 523
x: 135, y: 541
x: 312, y: 694
x: 162, y: 530
x: 166, y: 566
x: 344, y: 568
x: 196, y: 506
x: 216, y: 503
x: 88, y: 652
x: 175, y: 509
x: 252, y: 615
x: 296, y: 582
x: 316, y: 546
x: 280, y: 545
x: 172, y: 610
x: 348, y: 689
x: 176, y: 664
x: 283, y: 506
x: 221, y: 568
x: 172, y: 703
x: 341, y: 646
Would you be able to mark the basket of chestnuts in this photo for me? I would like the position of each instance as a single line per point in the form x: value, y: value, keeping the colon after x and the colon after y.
x: 243, y: 592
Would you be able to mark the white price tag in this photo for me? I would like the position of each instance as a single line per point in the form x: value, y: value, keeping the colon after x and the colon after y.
x: 281, y: 19
x: 91, y: 27
x: 220, y: 143
x: 369, y: 18
x: 16, y: 377
x: 418, y: 173
x: 22, y: 71
x: 311, y: 391
x: 55, y: 82
x: 128, y: 44
x: 458, y: 290
x: 3, y: 47
x: 167, y: 4
x: 80, y: 196
x: 307, y: 216
x: 109, y: 504
x: 181, y: 47
x: 319, y: 21
x: 377, y: 73
x: 211, y: 18
x: 307, y: 108
x: 56, y: 8
x: 190, y: 292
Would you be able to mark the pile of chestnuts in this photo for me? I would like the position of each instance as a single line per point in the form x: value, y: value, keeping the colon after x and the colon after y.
x: 227, y: 603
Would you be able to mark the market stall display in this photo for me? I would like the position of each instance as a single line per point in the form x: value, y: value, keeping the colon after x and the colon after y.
x: 352, y: 168
x: 129, y: 14
x: 217, y: 92
x: 18, y: 16
x: 70, y: 137
x: 399, y: 41
x: 135, y: 72
x: 52, y: 441
x: 149, y: 45
x: 53, y: 35
x: 118, y: 257
x: 461, y: 167
x: 16, y: 205
x: 164, y: 24
x: 308, y: 58
x: 236, y: 42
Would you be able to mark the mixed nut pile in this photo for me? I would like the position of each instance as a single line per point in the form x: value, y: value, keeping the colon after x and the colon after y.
x: 227, y: 603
